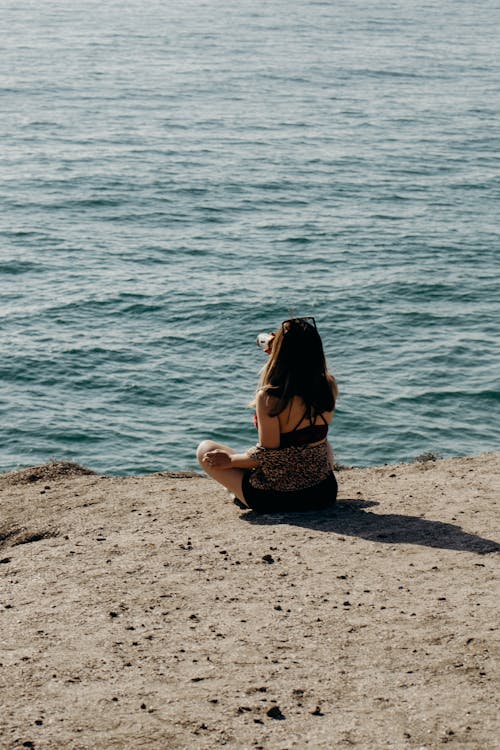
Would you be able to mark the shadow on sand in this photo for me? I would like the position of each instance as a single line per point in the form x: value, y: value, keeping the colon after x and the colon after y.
x: 350, y: 517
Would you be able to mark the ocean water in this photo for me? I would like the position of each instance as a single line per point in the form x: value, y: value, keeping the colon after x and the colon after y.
x: 178, y: 176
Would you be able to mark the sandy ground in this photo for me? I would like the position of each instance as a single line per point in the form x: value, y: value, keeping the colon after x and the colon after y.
x: 151, y: 612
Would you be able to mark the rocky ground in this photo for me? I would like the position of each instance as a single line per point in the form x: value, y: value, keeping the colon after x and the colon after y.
x: 151, y: 612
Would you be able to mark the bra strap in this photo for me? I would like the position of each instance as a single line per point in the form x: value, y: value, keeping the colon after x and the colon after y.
x: 311, y: 423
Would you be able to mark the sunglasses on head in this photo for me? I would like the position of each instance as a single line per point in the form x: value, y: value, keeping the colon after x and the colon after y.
x: 299, y: 321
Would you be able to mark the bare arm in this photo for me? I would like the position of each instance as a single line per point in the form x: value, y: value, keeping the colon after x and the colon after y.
x: 223, y: 460
x: 243, y: 461
x: 335, y: 388
x: 269, y: 427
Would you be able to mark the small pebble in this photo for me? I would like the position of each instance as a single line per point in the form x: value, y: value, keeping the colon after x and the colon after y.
x: 275, y: 713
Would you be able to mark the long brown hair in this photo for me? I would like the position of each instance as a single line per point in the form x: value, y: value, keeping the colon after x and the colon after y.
x: 297, y: 367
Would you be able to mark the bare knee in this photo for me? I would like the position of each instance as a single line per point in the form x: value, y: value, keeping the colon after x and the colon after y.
x: 210, y: 445
x: 203, y: 448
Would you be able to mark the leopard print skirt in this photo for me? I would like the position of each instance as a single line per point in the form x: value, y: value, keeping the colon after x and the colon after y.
x: 289, y: 469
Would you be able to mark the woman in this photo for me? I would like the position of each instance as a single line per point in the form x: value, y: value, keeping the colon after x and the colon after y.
x: 291, y: 467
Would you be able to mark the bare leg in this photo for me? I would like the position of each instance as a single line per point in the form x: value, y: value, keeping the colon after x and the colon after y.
x: 231, y: 479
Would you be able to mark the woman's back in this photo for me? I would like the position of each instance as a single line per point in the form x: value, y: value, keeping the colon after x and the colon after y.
x: 296, y: 417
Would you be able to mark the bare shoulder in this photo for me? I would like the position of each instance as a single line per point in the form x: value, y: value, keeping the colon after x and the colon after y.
x: 264, y: 400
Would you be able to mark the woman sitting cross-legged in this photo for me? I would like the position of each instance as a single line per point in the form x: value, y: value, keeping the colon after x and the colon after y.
x: 291, y: 467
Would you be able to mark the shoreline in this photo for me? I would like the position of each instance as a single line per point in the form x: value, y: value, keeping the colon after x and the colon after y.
x: 150, y: 612
x: 66, y: 464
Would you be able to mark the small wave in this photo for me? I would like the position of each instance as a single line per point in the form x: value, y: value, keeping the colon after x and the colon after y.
x: 17, y: 267
x: 139, y: 308
x: 428, y: 397
x: 389, y: 217
x: 98, y: 354
x: 83, y: 306
x: 398, y: 74
x: 297, y: 240
x: 90, y: 203
x: 19, y: 233
x: 41, y: 124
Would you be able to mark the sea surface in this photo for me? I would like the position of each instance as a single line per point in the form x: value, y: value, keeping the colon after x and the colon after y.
x: 177, y: 176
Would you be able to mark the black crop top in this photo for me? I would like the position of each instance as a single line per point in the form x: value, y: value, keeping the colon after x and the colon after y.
x: 313, y: 433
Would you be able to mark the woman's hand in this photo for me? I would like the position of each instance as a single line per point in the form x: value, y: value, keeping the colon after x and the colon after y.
x: 269, y: 346
x: 218, y: 458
